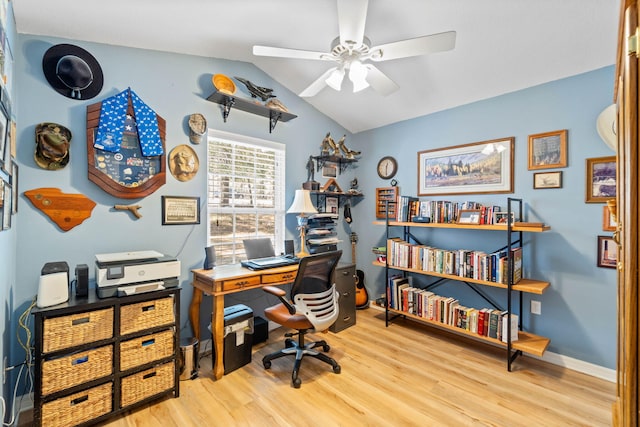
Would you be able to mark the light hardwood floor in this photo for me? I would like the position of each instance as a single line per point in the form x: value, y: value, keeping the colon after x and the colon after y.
x: 403, y: 375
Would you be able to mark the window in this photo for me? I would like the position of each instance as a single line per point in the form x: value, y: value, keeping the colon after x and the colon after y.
x: 245, y: 193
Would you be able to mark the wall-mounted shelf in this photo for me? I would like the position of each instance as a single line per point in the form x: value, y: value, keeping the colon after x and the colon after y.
x: 249, y: 106
x: 343, y: 162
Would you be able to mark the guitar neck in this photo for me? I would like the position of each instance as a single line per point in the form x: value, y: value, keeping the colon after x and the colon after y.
x: 353, y: 252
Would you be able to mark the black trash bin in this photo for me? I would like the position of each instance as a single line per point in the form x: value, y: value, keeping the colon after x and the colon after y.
x: 238, y: 337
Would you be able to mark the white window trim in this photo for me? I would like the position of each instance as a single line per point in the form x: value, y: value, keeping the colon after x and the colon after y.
x: 279, y: 202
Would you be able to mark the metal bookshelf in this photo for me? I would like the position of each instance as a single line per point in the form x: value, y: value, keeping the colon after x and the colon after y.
x: 526, y: 342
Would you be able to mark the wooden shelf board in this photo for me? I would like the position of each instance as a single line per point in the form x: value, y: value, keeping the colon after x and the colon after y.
x: 250, y: 106
x: 533, y: 229
x: 530, y: 286
x: 527, y: 342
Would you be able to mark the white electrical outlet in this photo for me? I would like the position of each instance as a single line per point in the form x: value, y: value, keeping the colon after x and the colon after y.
x: 536, y: 307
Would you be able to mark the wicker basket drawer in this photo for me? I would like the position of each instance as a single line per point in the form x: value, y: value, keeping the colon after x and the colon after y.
x: 64, y: 372
x: 79, y: 407
x: 141, y: 385
x: 145, y: 315
x: 146, y: 349
x: 68, y: 331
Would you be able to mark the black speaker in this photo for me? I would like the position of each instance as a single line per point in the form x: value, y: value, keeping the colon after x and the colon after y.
x: 82, y: 280
x: 209, y: 258
x: 288, y: 247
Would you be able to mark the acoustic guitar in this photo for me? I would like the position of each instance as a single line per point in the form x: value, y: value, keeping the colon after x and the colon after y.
x: 362, y: 297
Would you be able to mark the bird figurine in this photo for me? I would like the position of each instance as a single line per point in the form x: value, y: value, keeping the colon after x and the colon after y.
x: 263, y: 93
x: 349, y: 154
x: 328, y: 146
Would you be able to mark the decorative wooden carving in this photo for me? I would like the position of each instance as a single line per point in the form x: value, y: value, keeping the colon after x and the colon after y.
x: 144, y: 174
x: 66, y: 210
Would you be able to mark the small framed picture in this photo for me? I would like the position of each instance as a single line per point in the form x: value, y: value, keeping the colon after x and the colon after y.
x: 608, y: 219
x: 329, y: 170
x: 548, y: 150
x: 178, y: 210
x: 503, y: 217
x: 469, y: 216
x: 607, y: 252
x: 601, y: 179
x: 331, y: 205
x: 547, y: 180
x: 14, y: 186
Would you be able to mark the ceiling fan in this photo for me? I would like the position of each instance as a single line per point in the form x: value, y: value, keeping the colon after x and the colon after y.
x: 352, y: 49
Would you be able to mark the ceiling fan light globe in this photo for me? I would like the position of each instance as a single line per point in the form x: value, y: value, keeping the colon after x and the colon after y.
x: 358, y: 76
x: 334, y: 81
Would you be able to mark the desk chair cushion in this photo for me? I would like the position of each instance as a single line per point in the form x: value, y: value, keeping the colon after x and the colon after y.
x: 280, y: 314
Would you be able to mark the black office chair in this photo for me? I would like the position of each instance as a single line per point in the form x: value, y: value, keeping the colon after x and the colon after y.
x: 313, y: 306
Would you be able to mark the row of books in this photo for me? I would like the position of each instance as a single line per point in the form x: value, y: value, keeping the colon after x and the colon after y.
x: 487, y: 322
x: 441, y: 211
x: 488, y: 267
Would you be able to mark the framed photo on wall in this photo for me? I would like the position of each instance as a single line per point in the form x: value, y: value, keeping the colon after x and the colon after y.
x: 548, y: 150
x: 480, y: 167
x: 607, y: 252
x: 601, y: 179
x: 178, y: 210
x: 547, y: 180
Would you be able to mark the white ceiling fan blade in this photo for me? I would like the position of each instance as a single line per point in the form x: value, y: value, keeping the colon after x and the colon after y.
x: 379, y: 81
x: 352, y: 16
x: 280, y: 52
x: 414, y: 47
x: 317, y: 85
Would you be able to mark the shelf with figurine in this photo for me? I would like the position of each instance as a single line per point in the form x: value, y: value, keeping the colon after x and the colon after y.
x: 336, y: 152
x: 224, y: 94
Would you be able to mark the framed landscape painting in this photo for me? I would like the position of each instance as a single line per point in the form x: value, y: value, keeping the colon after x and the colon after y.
x: 480, y: 167
x: 601, y: 179
x: 548, y: 150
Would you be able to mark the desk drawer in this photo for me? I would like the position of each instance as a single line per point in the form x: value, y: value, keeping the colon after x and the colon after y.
x: 245, y: 282
x: 287, y: 277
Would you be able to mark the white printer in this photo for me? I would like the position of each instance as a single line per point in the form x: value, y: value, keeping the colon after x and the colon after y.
x: 128, y: 273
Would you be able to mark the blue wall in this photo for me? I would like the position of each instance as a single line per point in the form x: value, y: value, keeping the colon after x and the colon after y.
x: 579, y: 309
x: 578, y: 312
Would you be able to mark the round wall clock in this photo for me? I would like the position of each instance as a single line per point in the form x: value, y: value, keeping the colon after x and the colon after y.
x: 387, y: 167
x: 126, y: 174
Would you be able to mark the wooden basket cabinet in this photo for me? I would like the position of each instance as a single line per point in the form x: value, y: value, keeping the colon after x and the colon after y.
x: 95, y: 358
x: 526, y: 342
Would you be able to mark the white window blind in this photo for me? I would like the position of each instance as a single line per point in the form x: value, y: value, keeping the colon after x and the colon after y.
x: 245, y: 193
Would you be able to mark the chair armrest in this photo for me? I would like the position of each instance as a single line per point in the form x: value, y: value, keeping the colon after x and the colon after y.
x: 281, y: 294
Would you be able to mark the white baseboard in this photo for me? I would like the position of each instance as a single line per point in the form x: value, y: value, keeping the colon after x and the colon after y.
x: 564, y: 361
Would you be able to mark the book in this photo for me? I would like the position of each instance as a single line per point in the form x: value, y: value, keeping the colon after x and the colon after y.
x: 494, y: 315
x: 514, y: 327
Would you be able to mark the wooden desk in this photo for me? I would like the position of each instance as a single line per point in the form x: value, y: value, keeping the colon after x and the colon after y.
x: 229, y: 279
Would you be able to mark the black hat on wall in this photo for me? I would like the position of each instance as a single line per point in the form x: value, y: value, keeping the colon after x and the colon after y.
x: 72, y: 71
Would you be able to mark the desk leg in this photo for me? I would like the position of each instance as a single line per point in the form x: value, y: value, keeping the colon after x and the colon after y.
x: 194, y: 312
x: 217, y: 322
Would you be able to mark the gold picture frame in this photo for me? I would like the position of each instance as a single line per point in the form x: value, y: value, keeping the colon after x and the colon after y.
x: 601, y: 180
x: 608, y: 219
x: 548, y: 150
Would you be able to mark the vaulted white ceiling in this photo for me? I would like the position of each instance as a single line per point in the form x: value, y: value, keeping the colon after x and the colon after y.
x: 501, y: 45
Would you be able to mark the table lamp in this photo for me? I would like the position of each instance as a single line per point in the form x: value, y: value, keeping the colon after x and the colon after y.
x: 302, y: 205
